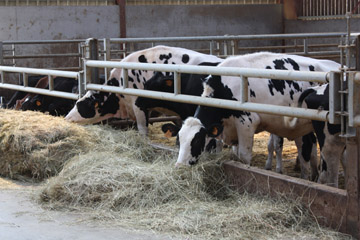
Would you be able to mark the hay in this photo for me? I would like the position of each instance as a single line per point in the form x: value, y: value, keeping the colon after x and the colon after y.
x: 34, y: 146
x: 124, y: 179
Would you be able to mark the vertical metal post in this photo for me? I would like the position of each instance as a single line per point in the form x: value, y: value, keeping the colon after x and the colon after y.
x: 2, y: 76
x: 1, y: 53
x: 81, y: 83
x: 107, y: 56
x: 211, y: 47
x: 51, y: 82
x: 87, y: 74
x: 92, y: 53
x: 306, y: 48
x: 334, y: 97
x: 124, y: 76
x: 177, y: 83
x: 25, y: 80
x: 243, y: 89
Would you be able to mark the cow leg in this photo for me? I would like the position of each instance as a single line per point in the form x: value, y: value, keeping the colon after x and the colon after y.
x: 275, y: 143
x: 331, y: 153
x: 245, y: 133
x: 142, y: 120
x: 304, y: 165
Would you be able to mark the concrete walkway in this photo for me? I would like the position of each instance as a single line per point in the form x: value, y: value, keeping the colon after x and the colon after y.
x: 21, y: 218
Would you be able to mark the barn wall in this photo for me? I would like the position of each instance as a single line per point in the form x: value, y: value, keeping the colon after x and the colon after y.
x: 157, y: 21
x: 316, y: 26
x: 58, y: 22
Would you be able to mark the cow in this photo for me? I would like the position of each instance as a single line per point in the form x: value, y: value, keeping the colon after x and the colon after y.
x: 238, y: 127
x: 19, y: 96
x: 332, y: 146
x: 56, y: 106
x: 192, y: 84
x: 96, y: 106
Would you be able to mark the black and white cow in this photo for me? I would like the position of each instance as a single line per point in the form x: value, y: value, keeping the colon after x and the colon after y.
x: 96, y: 106
x: 331, y: 145
x: 238, y: 127
x: 56, y: 106
x: 192, y: 84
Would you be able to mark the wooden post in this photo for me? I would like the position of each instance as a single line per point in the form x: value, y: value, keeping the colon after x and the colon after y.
x: 122, y: 16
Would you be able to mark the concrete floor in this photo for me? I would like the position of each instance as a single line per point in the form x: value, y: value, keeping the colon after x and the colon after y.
x: 22, y: 219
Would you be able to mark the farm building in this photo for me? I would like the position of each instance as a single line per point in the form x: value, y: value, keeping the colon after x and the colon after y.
x: 95, y: 145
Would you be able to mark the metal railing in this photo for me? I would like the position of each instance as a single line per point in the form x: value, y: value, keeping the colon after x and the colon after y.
x: 244, y: 73
x: 50, y: 73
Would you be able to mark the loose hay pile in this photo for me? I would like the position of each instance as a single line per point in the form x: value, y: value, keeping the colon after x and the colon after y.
x: 35, y: 146
x: 125, y: 179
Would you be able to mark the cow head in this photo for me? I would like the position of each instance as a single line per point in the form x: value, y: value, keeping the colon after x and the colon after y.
x: 158, y: 82
x: 96, y: 106
x: 33, y: 103
x: 193, y: 137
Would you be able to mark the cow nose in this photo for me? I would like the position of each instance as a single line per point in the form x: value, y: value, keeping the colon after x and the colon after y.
x: 192, y: 162
x: 178, y: 164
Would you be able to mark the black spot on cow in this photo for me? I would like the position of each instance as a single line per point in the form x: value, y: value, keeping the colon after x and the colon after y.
x: 294, y: 64
x: 142, y: 59
x: 122, y: 96
x: 166, y: 57
x: 133, y: 72
x: 185, y: 58
x: 113, y: 82
x: 134, y: 86
x: 198, y: 144
x: 130, y: 79
x: 138, y: 78
x: 311, y: 68
x: 252, y: 93
x: 122, y: 81
x: 291, y: 94
x: 308, y: 141
x: 110, y: 106
x: 324, y: 165
x: 279, y: 64
x: 154, y: 62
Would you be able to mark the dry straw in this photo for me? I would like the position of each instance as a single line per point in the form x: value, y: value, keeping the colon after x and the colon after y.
x: 119, y: 178
x: 126, y: 180
x: 35, y: 146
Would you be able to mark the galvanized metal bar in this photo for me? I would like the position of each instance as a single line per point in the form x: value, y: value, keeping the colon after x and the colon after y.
x: 125, y: 77
x: 306, y: 50
x: 334, y: 97
x: 232, y: 37
x: 319, y: 115
x: 39, y: 91
x: 42, y: 56
x: 39, y: 71
x: 243, y: 89
x: 1, y: 53
x: 31, y: 42
x: 177, y: 83
x: 25, y: 79
x: 107, y: 56
x: 51, y: 82
x: 81, y: 84
x: 2, y: 77
x: 320, y: 77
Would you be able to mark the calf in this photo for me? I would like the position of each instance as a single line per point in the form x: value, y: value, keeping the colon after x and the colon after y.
x: 331, y: 145
x: 96, y: 106
x: 238, y: 127
x: 56, y: 106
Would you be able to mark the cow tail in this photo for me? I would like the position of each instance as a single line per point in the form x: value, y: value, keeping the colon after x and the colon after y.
x: 304, y: 95
x: 290, y: 122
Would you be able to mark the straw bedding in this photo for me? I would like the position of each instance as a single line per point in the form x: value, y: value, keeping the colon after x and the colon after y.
x: 118, y: 178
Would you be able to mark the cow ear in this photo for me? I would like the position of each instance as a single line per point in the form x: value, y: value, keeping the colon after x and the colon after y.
x: 169, y: 82
x: 215, y: 130
x: 170, y: 130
